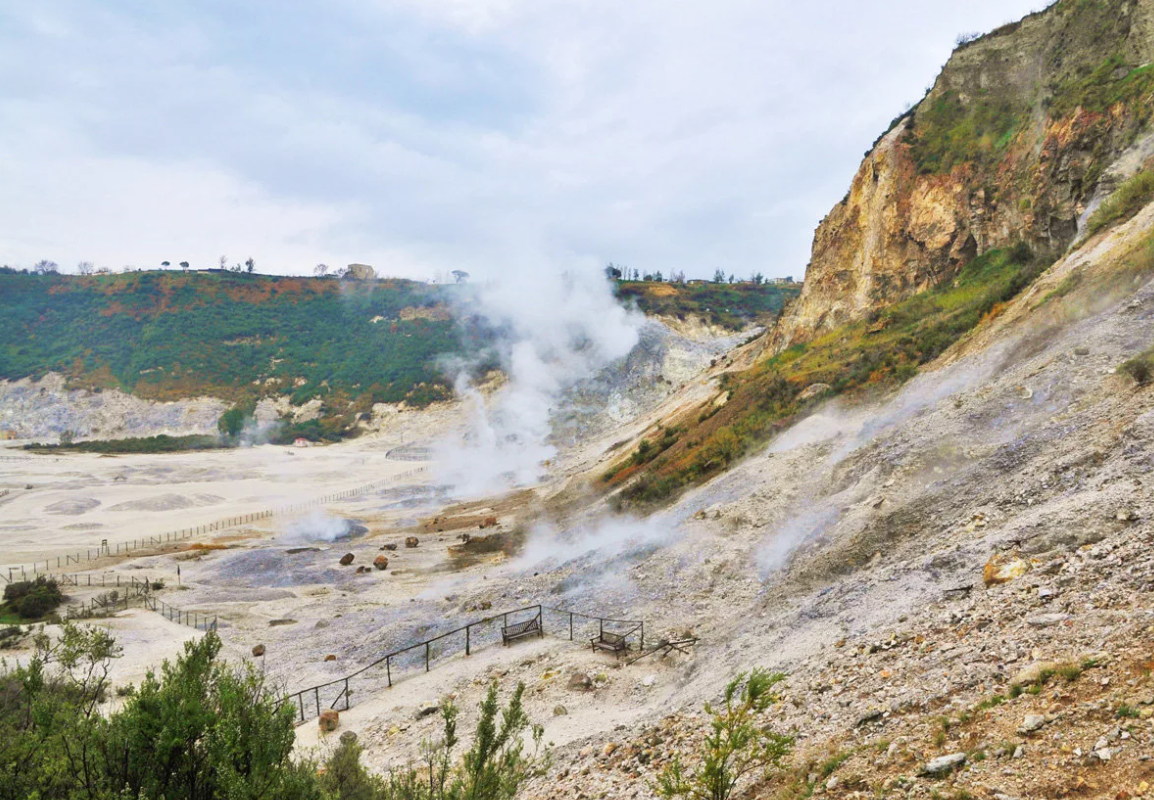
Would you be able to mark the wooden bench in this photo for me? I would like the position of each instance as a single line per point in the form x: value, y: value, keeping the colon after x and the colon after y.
x: 613, y: 642
x: 520, y: 630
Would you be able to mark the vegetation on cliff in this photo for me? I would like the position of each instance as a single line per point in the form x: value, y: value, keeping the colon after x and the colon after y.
x: 855, y: 360
x: 727, y: 305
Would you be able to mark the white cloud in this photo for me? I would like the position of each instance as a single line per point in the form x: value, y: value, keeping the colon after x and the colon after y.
x: 425, y: 134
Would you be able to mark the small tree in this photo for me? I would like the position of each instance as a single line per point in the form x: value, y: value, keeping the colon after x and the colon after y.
x: 85, y: 268
x: 224, y: 262
x: 184, y: 265
x: 165, y: 264
x: 459, y: 275
x: 612, y: 272
x: 737, y: 744
x: 718, y: 276
x: 321, y: 270
x: 45, y: 267
x: 250, y: 265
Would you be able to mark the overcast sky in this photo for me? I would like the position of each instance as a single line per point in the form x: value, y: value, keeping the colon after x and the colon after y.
x: 426, y: 135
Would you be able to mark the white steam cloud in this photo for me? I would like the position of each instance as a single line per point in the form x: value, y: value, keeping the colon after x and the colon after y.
x: 554, y: 330
x: 316, y: 526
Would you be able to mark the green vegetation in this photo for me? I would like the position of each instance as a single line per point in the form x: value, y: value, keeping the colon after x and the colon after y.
x: 953, y: 130
x: 202, y: 729
x: 1101, y: 89
x: 32, y: 600
x: 737, y: 745
x: 878, y: 353
x: 729, y: 305
x: 165, y: 335
x: 1140, y: 368
x: 146, y: 444
x: 1126, y: 201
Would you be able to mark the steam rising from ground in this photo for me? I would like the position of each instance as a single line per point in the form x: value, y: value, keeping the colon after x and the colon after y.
x: 553, y: 330
x: 316, y: 526
x: 851, y: 431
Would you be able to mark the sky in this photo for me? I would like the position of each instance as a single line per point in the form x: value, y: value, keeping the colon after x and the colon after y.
x: 422, y: 136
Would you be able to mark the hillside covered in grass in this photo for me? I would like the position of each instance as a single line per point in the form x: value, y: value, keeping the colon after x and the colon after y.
x: 727, y: 305
x: 165, y: 335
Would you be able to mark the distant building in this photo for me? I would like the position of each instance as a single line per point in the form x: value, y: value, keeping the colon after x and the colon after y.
x: 362, y: 272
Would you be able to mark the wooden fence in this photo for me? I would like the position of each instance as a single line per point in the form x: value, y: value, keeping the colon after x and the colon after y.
x: 424, y: 655
x: 105, y: 550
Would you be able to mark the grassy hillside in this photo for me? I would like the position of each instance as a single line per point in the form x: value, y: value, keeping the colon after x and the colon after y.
x: 729, y: 305
x: 167, y: 335
x: 856, y: 359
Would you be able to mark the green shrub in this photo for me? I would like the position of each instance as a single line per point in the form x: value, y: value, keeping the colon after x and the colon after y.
x: 736, y: 746
x: 34, y: 599
x: 1139, y: 368
x: 1126, y: 201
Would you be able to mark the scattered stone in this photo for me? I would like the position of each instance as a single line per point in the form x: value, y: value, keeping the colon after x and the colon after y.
x: 648, y: 680
x: 330, y: 720
x: 276, y: 623
x: 427, y: 710
x: 321, y: 624
x: 1031, y: 723
x: 560, y: 711
x: 381, y: 563
x: 1003, y: 568
x: 347, y: 559
x: 1046, y: 620
x: 873, y: 715
x: 412, y: 541
x: 580, y: 682
x: 349, y: 737
x: 943, y: 765
x: 813, y: 390
x: 610, y: 749
x: 330, y: 657
x: 258, y: 651
x: 1034, y: 672
x: 389, y: 546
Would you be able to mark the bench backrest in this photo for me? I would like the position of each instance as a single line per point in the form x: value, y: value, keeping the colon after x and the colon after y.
x: 523, y: 627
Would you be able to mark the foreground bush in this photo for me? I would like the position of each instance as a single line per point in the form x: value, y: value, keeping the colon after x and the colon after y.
x: 202, y: 729
x: 738, y: 744
x: 34, y: 599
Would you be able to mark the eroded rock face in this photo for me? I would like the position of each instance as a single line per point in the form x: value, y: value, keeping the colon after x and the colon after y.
x: 909, y: 222
x: 1003, y: 568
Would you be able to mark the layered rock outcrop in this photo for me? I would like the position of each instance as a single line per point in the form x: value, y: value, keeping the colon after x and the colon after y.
x: 1009, y: 145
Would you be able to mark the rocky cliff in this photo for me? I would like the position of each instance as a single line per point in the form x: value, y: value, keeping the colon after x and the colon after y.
x: 1014, y: 142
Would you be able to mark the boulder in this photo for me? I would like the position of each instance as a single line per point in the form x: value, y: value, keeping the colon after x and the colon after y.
x: 560, y: 711
x: 349, y: 737
x: 489, y: 522
x: 1003, y: 568
x: 427, y: 710
x: 812, y: 391
x: 1034, y: 672
x: 381, y: 563
x: 412, y: 541
x: 330, y: 720
x: 258, y: 651
x: 943, y: 765
x: 580, y: 682
x: 1031, y: 723
x: 347, y: 559
x: 389, y: 546
x: 330, y: 657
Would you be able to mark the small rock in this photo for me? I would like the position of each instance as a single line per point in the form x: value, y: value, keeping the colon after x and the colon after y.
x: 258, y: 651
x: 321, y: 624
x: 1104, y: 754
x: 389, y: 546
x: 580, y: 682
x: 349, y: 737
x: 832, y: 783
x: 347, y: 559
x: 813, y: 390
x: 610, y: 749
x: 872, y: 715
x: 560, y: 711
x: 943, y: 765
x: 381, y: 563
x: 276, y: 623
x: 330, y: 657
x: 427, y: 710
x: 330, y: 720
x: 1003, y: 568
x: 1031, y: 723
x: 1046, y: 620
x: 649, y: 680
x: 1019, y: 751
